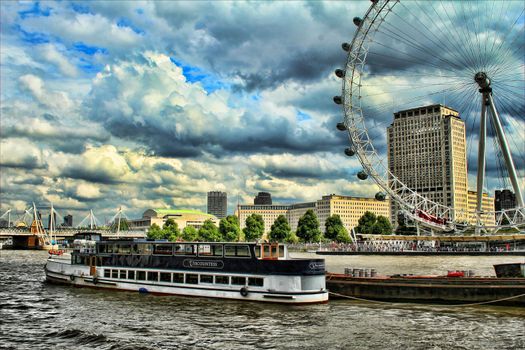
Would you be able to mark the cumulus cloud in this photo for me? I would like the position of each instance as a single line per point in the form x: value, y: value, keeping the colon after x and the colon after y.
x: 35, y: 85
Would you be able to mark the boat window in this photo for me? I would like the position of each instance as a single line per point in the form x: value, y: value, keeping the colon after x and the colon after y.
x: 243, y: 251
x: 178, y: 278
x: 109, y: 248
x: 124, y: 249
x: 192, y: 278
x: 141, y: 275
x: 274, y: 250
x: 107, y: 273
x: 257, y: 251
x: 101, y: 248
x: 217, y: 249
x: 134, y: 249
x: 241, y: 281
x: 229, y: 250
x: 153, y: 276
x: 145, y: 249
x: 281, y: 251
x: 165, y: 277
x: 266, y: 250
x: 131, y: 275
x: 114, y: 273
x: 255, y: 281
x: 222, y: 279
x: 123, y: 274
x: 206, y: 278
x: 205, y: 250
x: 185, y: 249
x: 163, y: 249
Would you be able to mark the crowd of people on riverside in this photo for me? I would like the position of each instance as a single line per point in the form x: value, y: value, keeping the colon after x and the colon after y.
x: 408, y: 246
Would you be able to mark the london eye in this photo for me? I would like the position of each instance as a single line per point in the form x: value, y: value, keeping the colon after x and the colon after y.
x: 433, y: 94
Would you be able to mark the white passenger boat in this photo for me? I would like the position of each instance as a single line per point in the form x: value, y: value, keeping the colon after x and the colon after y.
x: 244, y: 271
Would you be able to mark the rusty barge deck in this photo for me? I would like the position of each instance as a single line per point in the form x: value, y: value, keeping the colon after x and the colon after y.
x: 429, y: 289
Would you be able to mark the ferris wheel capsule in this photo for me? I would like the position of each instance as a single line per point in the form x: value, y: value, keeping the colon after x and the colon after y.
x: 380, y: 196
x: 362, y: 175
x: 341, y: 126
x: 340, y: 73
x: 349, y: 152
x: 338, y: 100
x: 357, y: 21
x: 345, y: 46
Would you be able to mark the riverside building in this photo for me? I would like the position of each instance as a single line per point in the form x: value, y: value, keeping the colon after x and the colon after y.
x: 350, y: 209
x: 427, y: 152
x: 217, y: 204
x: 183, y: 218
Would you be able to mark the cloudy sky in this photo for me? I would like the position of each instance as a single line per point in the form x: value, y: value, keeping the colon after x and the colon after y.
x: 152, y: 104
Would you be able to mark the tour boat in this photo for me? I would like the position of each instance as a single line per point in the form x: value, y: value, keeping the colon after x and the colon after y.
x: 244, y: 271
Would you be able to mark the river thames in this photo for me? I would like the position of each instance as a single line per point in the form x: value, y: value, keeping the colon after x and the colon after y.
x: 37, y: 315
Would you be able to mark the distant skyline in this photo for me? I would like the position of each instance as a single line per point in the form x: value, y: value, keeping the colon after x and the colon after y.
x: 153, y: 104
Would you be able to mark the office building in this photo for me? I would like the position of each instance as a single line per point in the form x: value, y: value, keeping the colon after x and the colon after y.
x: 263, y: 198
x: 68, y: 221
x: 504, y: 199
x: 182, y: 217
x: 217, y: 204
x: 427, y: 152
x: 350, y: 209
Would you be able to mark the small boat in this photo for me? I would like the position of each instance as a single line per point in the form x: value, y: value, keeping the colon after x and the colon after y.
x: 244, y: 271
x: 456, y: 287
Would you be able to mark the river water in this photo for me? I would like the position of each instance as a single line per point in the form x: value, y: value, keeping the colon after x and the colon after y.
x: 37, y: 315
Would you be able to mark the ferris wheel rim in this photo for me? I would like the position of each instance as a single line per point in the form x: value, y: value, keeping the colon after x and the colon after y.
x: 354, y: 121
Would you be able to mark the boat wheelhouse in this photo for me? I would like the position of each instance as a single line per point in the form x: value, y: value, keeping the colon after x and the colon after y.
x: 247, y: 271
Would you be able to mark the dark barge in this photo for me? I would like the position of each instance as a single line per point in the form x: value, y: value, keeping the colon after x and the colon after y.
x: 431, y: 289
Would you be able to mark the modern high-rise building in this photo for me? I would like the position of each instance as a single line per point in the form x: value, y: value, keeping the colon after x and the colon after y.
x: 505, y: 199
x: 427, y: 152
x: 263, y: 198
x: 217, y: 204
x: 68, y: 221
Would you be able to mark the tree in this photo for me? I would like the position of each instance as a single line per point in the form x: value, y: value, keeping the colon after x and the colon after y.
x: 280, y: 230
x: 254, y: 227
x: 171, y: 230
x: 335, y: 230
x: 366, y: 222
x: 369, y: 223
x: 308, y: 227
x: 382, y: 226
x: 155, y: 232
x: 229, y: 228
x: 190, y: 234
x: 209, y: 232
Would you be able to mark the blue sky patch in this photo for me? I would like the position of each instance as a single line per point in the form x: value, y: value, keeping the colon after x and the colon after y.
x: 88, y: 50
x: 80, y: 8
x: 195, y: 74
x: 301, y: 116
x: 125, y: 22
x: 35, y: 11
x: 33, y: 38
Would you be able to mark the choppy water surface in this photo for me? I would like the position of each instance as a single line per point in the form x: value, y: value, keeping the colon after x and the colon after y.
x: 37, y: 315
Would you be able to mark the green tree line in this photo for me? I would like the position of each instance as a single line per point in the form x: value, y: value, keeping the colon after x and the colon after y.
x: 308, y: 229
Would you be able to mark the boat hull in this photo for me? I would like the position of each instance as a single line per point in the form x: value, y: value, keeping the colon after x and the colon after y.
x: 60, y: 271
x: 444, y: 290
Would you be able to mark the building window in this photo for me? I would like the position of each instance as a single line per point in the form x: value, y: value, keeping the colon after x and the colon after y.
x: 107, y: 273
x: 141, y: 275
x: 131, y: 275
x: 114, y: 273
x: 123, y: 274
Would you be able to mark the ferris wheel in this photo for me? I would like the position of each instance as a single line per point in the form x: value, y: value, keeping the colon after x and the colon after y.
x: 433, y: 95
